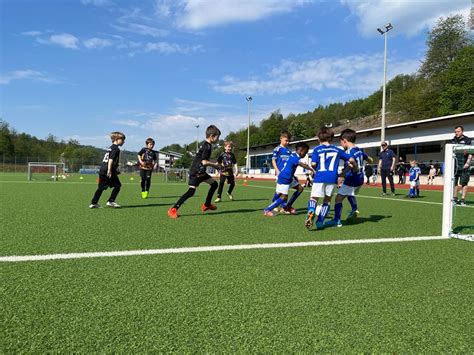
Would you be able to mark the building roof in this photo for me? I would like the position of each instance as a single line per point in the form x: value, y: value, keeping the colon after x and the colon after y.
x: 171, y: 153
x: 366, y: 124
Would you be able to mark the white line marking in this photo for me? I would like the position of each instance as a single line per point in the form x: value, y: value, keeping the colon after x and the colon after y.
x: 210, y: 248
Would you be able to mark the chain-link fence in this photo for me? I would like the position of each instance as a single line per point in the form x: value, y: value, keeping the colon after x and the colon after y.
x: 16, y: 164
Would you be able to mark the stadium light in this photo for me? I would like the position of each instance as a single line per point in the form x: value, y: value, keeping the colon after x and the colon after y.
x: 197, y: 137
x: 247, y: 163
x: 387, y: 28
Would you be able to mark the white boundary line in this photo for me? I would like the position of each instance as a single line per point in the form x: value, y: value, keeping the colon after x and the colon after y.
x: 210, y: 248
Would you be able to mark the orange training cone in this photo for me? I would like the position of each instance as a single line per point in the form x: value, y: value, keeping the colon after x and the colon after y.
x: 245, y: 181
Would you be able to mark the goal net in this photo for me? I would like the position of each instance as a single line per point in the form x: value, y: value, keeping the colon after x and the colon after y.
x: 176, y: 175
x: 458, y: 215
x: 45, y: 171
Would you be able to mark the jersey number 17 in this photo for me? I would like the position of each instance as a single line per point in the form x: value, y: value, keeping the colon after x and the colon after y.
x: 322, y: 160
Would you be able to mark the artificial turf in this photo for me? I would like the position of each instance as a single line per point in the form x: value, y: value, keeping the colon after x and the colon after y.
x: 54, y: 218
x: 393, y: 297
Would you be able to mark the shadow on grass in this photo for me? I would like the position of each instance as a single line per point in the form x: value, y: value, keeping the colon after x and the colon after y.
x: 148, y: 205
x: 215, y: 213
x: 372, y: 218
x: 162, y: 197
x: 244, y: 199
x: 465, y: 229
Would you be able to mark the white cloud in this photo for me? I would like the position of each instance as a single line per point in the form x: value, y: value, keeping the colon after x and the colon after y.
x: 198, y: 14
x: 169, y: 48
x: 97, y: 2
x: 163, y: 8
x: 130, y: 123
x: 141, y: 29
x: 359, y: 74
x: 31, y: 33
x: 95, y: 42
x: 64, y: 40
x: 199, y: 106
x: 180, y: 125
x: 407, y: 16
x: 27, y: 74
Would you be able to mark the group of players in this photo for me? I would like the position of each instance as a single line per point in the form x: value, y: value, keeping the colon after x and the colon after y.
x: 324, y: 166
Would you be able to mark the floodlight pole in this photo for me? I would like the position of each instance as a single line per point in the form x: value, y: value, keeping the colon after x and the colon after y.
x: 387, y: 28
x: 247, y: 163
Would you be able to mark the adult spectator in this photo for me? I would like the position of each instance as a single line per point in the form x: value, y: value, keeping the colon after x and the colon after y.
x: 401, y: 170
x: 461, y: 177
x: 369, y: 171
x: 387, y: 167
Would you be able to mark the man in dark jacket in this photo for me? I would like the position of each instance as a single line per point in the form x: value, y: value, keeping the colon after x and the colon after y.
x: 387, y: 167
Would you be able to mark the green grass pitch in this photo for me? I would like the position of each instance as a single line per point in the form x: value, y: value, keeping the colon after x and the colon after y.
x: 390, y: 297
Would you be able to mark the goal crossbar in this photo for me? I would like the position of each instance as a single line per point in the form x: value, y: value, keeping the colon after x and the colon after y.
x: 46, y: 165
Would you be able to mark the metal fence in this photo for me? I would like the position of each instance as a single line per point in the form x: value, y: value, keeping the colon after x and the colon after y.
x: 18, y: 164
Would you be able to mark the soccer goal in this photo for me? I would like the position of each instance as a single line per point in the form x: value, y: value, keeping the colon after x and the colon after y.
x: 45, y: 171
x: 176, y: 175
x: 458, y: 219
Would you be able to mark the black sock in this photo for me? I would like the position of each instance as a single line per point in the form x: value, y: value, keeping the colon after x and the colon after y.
x: 185, y: 196
x: 211, y: 191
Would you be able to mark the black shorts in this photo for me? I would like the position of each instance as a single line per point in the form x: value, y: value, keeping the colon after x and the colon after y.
x: 145, y: 174
x: 461, y: 177
x: 196, y: 180
x: 230, y: 178
x: 105, y: 182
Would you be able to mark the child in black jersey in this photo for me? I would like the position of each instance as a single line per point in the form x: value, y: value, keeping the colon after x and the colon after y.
x: 228, y: 164
x: 108, y: 173
x: 147, y: 159
x: 198, y: 174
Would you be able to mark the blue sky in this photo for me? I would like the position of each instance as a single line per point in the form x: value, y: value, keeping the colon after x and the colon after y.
x: 83, y: 68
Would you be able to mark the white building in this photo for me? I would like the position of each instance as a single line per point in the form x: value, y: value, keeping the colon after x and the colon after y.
x: 167, y: 159
x: 422, y: 140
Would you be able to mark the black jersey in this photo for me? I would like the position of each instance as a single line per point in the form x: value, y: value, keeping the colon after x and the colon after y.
x: 148, y: 156
x: 112, y: 153
x: 227, y: 161
x: 204, y: 153
x: 461, y: 156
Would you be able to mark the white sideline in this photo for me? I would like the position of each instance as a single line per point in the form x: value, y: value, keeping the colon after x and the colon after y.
x: 20, y: 258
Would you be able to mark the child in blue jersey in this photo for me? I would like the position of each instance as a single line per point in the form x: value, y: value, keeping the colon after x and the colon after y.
x: 286, y: 178
x: 353, y: 180
x: 325, y: 161
x: 280, y: 156
x: 415, y: 173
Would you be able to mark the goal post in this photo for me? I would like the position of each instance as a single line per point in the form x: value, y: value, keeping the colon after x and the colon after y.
x: 45, y: 170
x: 457, y: 219
x: 176, y: 175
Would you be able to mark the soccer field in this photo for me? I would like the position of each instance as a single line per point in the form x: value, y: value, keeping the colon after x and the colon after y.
x: 403, y: 296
